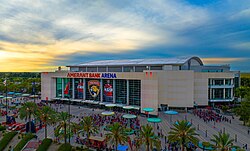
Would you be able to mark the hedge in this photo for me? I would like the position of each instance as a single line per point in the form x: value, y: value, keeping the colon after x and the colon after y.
x: 6, y: 139
x: 65, y: 147
x: 2, y: 128
x: 45, y: 145
x: 23, y: 142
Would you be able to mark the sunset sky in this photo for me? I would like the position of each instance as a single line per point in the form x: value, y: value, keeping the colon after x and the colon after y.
x: 41, y: 35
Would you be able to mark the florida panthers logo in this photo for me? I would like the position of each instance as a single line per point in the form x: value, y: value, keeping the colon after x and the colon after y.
x: 94, y: 88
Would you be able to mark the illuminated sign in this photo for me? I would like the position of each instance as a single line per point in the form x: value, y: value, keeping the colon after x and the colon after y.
x: 91, y: 75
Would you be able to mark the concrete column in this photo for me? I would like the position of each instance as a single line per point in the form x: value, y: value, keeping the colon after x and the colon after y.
x: 122, y: 69
x: 114, y: 91
x: 127, y: 92
x: 213, y: 94
x: 232, y: 92
x: 97, y: 69
x: 107, y: 69
x: 84, y: 89
x: 101, y: 90
x: 62, y: 87
x: 134, y: 68
x: 73, y: 88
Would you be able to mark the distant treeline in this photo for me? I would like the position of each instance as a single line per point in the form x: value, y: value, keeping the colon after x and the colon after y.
x: 20, y: 74
x: 245, y: 79
x: 24, y: 82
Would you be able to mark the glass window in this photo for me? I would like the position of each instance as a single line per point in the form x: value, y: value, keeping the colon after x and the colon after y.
x: 140, y: 69
x: 135, y: 92
x: 83, y: 69
x: 228, y: 93
x: 218, y: 94
x: 115, y: 69
x: 92, y: 69
x: 228, y: 81
x: 59, y: 87
x: 92, y: 89
x: 218, y: 82
x: 155, y: 67
x: 108, y: 90
x: 101, y: 69
x: 128, y: 69
x: 121, y: 91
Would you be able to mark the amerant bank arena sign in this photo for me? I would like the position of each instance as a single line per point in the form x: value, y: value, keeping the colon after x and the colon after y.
x: 91, y: 75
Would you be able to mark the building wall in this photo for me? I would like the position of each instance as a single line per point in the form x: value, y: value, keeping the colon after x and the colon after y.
x: 176, y: 88
x: 201, y: 84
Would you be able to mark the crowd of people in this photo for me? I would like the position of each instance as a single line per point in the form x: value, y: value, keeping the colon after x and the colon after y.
x: 209, y: 115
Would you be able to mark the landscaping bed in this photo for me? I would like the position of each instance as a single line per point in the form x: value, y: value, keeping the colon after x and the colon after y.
x: 45, y: 145
x: 6, y: 139
x: 24, y: 141
x: 65, y: 147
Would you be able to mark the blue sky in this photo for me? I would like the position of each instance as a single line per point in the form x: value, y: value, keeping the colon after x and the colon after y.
x: 40, y: 35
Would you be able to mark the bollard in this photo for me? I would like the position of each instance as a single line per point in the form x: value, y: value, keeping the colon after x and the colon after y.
x: 224, y: 130
x: 198, y: 127
x: 206, y: 133
x: 235, y: 138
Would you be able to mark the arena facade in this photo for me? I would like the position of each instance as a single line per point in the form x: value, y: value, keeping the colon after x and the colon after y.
x: 183, y: 82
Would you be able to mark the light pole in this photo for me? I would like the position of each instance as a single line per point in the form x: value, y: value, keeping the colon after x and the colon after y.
x: 69, y: 118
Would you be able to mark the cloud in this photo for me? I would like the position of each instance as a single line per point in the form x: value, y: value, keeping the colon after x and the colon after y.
x: 52, y: 31
x: 221, y: 60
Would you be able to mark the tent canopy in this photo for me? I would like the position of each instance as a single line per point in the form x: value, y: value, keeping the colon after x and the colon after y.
x: 122, y: 147
x: 171, y: 112
x: 110, y: 105
x: 129, y: 116
x: 128, y: 107
x: 107, y: 113
x: 148, y: 109
x: 154, y: 120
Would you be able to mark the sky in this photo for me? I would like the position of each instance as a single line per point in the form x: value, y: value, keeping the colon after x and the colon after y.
x: 39, y: 35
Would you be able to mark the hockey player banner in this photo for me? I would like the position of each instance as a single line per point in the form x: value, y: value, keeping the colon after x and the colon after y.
x: 94, y: 88
x: 80, y: 89
x: 108, y: 92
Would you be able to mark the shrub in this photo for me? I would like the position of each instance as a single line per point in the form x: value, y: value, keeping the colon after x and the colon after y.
x: 65, y: 147
x: 6, y: 139
x: 23, y: 142
x: 45, y: 145
x: 2, y: 128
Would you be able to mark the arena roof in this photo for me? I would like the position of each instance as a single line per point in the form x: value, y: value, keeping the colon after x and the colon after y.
x: 162, y: 61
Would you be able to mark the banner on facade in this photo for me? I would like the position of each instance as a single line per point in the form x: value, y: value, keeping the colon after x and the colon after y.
x: 80, y: 89
x: 94, y: 88
x: 108, y: 92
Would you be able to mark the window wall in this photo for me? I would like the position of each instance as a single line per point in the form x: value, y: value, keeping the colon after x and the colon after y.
x: 121, y: 91
x: 135, y: 92
x: 67, y: 83
x: 59, y: 87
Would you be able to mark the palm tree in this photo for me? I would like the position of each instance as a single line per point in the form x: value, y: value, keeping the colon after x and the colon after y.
x: 148, y: 138
x: 47, y: 115
x: 62, y: 118
x: 88, y: 126
x: 182, y: 133
x: 117, y: 134
x: 28, y: 110
x: 222, y: 141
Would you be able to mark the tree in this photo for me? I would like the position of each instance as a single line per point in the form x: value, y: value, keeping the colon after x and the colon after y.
x: 89, y: 126
x: 62, y: 118
x: 222, y: 142
x: 243, y: 110
x: 47, y: 115
x: 117, y: 134
x: 28, y: 110
x: 242, y: 91
x: 182, y: 133
x: 148, y: 138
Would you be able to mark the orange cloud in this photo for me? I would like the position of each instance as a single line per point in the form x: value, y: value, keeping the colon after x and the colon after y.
x: 221, y: 60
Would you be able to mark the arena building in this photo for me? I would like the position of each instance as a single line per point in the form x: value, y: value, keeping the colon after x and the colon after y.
x: 182, y: 82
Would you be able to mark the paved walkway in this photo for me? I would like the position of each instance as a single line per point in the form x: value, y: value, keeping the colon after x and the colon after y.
x: 53, y: 147
x: 235, y: 129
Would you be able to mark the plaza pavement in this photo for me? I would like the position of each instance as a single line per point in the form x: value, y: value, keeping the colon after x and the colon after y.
x: 235, y: 128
